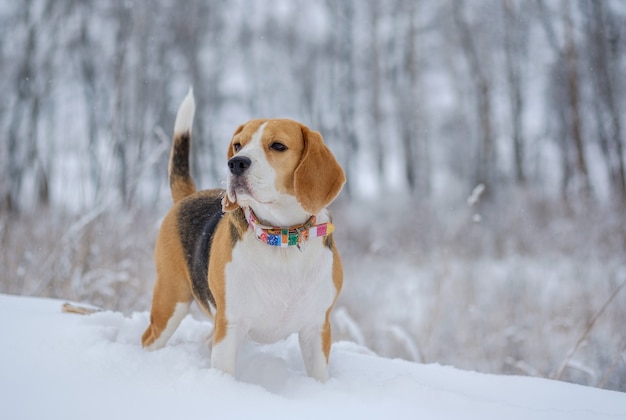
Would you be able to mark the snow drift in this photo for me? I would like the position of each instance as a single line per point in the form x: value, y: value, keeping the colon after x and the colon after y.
x: 57, y: 365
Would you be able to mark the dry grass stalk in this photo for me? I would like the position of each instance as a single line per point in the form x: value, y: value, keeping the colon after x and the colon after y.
x: 588, y: 329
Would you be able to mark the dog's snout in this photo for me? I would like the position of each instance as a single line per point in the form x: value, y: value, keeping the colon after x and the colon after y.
x: 239, y: 164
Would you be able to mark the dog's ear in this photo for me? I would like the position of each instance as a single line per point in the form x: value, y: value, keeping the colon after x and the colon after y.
x: 318, y: 179
x: 227, y: 203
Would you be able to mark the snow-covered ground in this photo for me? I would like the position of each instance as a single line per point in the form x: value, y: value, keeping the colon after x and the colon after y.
x: 57, y: 365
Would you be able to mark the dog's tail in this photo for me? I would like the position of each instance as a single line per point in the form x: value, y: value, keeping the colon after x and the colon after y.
x: 181, y: 183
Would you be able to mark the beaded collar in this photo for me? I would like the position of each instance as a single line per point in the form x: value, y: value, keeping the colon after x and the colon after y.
x: 290, y: 236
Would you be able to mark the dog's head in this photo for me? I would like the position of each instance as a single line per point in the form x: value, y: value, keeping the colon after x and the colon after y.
x: 273, y: 161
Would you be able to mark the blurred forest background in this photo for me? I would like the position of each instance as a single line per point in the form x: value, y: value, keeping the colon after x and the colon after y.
x: 483, y: 224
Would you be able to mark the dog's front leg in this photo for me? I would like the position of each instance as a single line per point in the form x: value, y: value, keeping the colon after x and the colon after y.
x: 226, y: 345
x: 315, y: 347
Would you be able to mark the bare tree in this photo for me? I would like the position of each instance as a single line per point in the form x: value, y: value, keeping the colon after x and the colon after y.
x: 375, y: 63
x: 604, y: 56
x: 119, y: 121
x: 485, y: 164
x: 516, y: 55
x: 22, y: 129
x: 566, y: 53
x: 408, y: 98
x: 88, y: 68
x: 343, y: 15
x: 571, y: 59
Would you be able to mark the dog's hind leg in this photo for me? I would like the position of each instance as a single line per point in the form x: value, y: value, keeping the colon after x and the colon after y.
x: 169, y: 307
x: 172, y: 291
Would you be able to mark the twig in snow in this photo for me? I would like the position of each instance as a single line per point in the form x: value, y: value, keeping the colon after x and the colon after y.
x: 81, y: 310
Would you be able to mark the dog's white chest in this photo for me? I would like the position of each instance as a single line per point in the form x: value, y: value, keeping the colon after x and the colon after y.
x: 273, y: 292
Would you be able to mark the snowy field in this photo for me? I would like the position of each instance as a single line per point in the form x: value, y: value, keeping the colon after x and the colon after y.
x: 57, y: 365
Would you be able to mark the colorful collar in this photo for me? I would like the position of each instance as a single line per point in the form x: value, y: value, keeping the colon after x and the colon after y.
x: 285, y: 237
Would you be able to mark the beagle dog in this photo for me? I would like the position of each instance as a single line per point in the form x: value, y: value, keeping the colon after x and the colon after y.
x: 258, y: 257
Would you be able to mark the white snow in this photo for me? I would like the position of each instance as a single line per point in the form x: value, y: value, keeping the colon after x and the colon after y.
x: 57, y: 365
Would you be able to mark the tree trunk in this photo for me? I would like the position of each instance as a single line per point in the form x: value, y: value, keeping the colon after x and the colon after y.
x: 88, y: 71
x: 604, y: 61
x: 375, y: 91
x: 514, y: 46
x: 344, y: 16
x: 485, y: 163
x: 119, y: 130
x: 20, y: 138
x: 573, y: 90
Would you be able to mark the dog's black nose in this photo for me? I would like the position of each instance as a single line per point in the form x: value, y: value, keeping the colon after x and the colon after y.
x: 239, y: 164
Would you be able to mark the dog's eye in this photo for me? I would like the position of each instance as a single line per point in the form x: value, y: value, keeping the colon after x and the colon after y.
x: 279, y: 147
x: 236, y: 147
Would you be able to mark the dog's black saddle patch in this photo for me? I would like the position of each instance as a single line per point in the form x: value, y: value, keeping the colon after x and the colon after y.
x: 198, y: 217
